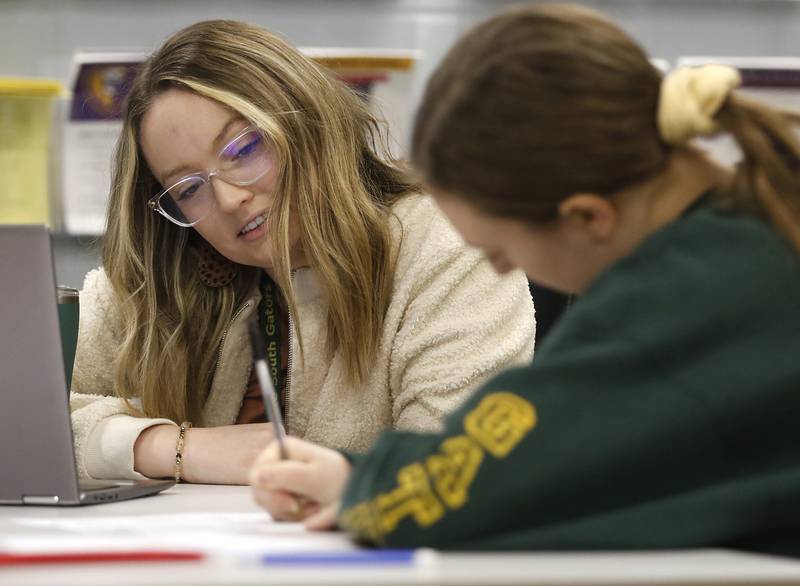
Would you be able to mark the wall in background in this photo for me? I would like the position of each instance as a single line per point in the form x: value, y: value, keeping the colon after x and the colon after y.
x: 37, y: 37
x: 74, y: 257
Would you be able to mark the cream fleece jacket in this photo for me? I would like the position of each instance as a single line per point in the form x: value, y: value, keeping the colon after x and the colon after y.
x: 451, y: 323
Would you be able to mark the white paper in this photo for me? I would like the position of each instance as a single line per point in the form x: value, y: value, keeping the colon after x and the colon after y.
x: 87, y: 174
x: 226, y: 534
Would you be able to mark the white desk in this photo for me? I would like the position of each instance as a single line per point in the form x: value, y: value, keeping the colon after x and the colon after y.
x: 688, y: 568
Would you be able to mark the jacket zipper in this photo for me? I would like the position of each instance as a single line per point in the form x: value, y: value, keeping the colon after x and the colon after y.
x: 225, y: 335
x: 288, y: 365
x: 288, y: 376
x: 288, y: 360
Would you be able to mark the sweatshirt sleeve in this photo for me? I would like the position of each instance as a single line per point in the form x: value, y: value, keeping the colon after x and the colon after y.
x: 542, y: 457
x: 103, y: 429
x: 461, y: 322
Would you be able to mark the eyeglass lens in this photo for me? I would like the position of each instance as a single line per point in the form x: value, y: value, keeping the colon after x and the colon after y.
x: 242, y: 162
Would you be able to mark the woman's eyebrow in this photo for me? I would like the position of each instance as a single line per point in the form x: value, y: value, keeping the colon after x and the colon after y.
x: 224, y: 132
x: 215, y: 144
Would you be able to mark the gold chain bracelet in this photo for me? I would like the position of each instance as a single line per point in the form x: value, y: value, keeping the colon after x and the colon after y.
x: 179, y: 450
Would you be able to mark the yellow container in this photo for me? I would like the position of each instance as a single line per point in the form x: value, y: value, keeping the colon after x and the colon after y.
x: 27, y: 108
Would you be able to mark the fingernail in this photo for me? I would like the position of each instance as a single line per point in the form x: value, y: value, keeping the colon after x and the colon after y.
x: 295, y: 508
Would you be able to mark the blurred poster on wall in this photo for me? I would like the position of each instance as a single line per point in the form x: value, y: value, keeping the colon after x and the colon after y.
x: 27, y: 147
x: 772, y: 80
x: 383, y: 77
x: 100, y: 82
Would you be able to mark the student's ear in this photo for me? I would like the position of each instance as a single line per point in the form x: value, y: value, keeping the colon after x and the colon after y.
x: 589, y: 214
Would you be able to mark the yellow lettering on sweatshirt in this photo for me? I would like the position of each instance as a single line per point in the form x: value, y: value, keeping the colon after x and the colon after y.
x: 499, y: 422
x: 413, y: 496
x: 453, y: 470
x: 496, y: 425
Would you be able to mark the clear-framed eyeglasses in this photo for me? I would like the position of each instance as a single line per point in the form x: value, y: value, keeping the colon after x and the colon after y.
x: 243, y: 161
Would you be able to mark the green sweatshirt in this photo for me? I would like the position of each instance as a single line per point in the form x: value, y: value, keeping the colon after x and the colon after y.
x: 663, y: 411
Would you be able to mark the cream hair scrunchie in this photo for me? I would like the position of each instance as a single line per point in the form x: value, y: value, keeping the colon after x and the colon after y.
x: 689, y: 99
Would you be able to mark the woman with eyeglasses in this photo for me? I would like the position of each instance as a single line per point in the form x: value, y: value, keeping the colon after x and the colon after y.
x: 248, y: 183
x: 662, y: 410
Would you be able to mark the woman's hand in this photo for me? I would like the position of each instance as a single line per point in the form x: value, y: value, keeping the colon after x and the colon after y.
x: 308, y: 486
x: 211, y: 455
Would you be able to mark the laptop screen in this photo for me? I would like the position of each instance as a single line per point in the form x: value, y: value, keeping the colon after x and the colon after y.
x: 37, y: 458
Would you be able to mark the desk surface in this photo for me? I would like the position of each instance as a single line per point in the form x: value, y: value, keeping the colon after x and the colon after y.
x: 687, y: 568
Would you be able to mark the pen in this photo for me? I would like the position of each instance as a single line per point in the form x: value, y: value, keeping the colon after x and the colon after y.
x: 32, y: 559
x: 268, y: 393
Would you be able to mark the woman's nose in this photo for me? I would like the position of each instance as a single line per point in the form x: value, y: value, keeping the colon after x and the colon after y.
x: 230, y: 197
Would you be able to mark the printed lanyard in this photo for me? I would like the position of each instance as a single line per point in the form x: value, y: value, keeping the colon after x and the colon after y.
x: 270, y: 322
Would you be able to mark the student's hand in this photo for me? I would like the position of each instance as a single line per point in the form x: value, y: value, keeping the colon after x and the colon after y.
x: 211, y: 455
x: 308, y: 486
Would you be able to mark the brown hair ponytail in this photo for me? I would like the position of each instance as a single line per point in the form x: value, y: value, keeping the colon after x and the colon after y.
x: 767, y: 180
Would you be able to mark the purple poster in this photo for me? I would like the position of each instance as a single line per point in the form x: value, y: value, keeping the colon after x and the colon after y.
x: 100, y: 90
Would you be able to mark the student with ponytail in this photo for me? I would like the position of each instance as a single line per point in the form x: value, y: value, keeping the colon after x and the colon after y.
x: 662, y: 410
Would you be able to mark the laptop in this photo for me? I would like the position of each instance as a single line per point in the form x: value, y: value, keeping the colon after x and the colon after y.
x: 37, y: 458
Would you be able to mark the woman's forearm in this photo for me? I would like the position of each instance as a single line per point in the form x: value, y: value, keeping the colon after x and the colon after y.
x: 154, y: 451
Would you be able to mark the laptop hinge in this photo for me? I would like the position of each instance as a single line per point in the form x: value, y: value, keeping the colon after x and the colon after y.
x: 41, y: 500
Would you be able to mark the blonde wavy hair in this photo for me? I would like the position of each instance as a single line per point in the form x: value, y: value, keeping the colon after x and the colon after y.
x: 334, y: 172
